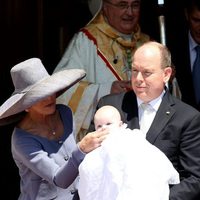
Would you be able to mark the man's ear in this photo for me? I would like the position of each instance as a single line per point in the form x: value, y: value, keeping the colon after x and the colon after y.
x: 167, y: 74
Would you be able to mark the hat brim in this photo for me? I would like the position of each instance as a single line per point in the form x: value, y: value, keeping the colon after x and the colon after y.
x: 57, y: 83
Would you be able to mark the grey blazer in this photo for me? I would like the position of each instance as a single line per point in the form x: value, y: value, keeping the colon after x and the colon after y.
x: 175, y: 130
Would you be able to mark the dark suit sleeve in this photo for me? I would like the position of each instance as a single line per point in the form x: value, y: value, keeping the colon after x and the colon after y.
x: 188, y: 152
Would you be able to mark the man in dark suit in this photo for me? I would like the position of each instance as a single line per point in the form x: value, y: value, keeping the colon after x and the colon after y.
x: 174, y: 125
x: 182, y: 46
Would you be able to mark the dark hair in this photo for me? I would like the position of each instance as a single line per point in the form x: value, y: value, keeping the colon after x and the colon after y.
x: 190, y: 5
x: 13, y: 119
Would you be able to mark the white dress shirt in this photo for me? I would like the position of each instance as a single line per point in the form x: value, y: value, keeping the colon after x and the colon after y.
x: 146, y: 117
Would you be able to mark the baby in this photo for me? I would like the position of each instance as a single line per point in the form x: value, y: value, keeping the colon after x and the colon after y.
x: 107, y: 117
x: 126, y: 166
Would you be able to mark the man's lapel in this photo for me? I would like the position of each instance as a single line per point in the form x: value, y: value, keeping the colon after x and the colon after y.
x: 163, y: 115
x: 130, y: 109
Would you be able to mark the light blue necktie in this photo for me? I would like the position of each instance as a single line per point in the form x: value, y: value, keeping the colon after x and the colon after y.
x: 196, y: 74
x: 146, y: 118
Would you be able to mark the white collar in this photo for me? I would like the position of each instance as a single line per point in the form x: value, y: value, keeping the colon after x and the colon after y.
x: 155, y: 103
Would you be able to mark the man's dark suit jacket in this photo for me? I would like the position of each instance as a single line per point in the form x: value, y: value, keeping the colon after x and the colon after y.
x: 175, y: 131
x: 179, y: 47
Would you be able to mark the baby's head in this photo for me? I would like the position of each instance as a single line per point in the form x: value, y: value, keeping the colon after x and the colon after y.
x: 107, y: 117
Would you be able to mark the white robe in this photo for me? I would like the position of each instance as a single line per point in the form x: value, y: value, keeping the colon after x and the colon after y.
x: 126, y: 166
x: 82, y: 53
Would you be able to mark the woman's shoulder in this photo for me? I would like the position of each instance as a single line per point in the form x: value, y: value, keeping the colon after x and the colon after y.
x: 65, y: 113
x: 64, y: 109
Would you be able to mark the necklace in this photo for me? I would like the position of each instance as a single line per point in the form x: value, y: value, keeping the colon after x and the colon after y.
x: 53, y: 132
x: 45, y: 128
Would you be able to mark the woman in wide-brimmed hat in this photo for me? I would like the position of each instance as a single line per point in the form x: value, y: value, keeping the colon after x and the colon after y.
x: 43, y: 144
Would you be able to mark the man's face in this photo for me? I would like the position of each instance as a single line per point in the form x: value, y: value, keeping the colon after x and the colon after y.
x: 194, y: 24
x: 148, y: 78
x: 122, y: 15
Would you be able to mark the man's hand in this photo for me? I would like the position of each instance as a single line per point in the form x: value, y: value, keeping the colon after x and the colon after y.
x: 120, y: 86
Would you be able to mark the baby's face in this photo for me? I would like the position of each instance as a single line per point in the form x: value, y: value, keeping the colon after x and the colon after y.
x: 109, y: 123
x: 107, y: 117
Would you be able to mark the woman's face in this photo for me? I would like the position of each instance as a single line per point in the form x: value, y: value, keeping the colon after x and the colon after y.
x: 45, y: 107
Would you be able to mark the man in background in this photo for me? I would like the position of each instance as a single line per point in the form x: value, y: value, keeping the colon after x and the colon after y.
x: 103, y: 48
x: 184, y: 54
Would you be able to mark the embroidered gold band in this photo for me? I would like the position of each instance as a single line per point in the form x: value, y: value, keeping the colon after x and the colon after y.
x: 77, y: 95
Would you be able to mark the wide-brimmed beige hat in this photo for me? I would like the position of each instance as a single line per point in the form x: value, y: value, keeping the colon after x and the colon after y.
x: 33, y: 83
